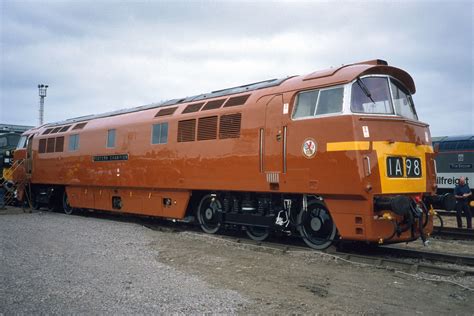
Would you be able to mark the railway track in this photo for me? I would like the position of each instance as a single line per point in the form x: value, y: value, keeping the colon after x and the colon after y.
x: 446, y: 213
x: 454, y: 233
x: 387, y: 256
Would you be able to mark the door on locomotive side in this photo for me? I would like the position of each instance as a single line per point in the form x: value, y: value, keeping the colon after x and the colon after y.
x: 29, y: 155
x: 274, y: 139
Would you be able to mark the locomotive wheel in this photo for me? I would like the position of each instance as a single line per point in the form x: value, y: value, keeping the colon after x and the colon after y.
x: 66, y: 207
x: 207, y: 214
x: 316, y: 226
x: 257, y: 233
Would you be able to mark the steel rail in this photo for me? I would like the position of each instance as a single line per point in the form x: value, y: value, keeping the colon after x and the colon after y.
x: 380, y: 257
x: 464, y: 260
x: 446, y: 213
x: 452, y: 232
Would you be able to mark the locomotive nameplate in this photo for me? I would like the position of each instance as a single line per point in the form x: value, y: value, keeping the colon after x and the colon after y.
x: 110, y: 157
x: 397, y: 167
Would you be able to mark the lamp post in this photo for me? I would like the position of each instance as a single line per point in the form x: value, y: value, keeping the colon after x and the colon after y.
x: 42, y: 94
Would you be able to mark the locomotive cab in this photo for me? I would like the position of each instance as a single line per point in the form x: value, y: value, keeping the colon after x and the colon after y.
x: 381, y: 95
x: 395, y: 159
x: 377, y: 153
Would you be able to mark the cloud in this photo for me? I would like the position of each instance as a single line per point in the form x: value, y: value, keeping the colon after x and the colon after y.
x: 104, y: 56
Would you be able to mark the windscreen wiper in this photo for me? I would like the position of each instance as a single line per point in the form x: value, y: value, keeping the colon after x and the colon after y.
x: 365, y: 89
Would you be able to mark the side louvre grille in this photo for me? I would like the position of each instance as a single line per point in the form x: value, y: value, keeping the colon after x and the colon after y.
x: 50, y: 145
x: 59, y: 144
x: 237, y: 100
x: 229, y: 126
x: 193, y: 107
x: 42, y: 146
x: 79, y: 126
x: 207, y: 128
x: 186, y: 131
x: 164, y: 112
x: 57, y: 129
x: 215, y: 104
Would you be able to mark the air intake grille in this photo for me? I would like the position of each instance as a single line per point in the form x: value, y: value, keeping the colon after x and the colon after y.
x: 215, y: 104
x: 229, y: 126
x: 57, y: 129
x: 42, y: 146
x: 164, y: 112
x: 237, y: 100
x: 50, y: 145
x: 79, y: 126
x: 193, y: 107
x: 186, y: 131
x: 207, y: 128
x: 47, y: 131
x: 59, y: 144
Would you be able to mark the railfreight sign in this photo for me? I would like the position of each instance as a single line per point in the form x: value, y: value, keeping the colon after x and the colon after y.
x: 449, y: 180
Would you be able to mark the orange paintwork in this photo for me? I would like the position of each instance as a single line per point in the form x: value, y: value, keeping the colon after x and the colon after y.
x: 174, y: 170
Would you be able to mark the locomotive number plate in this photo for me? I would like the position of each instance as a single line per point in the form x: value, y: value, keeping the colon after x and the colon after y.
x: 397, y: 167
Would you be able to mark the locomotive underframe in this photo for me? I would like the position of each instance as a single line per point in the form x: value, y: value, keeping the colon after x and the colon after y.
x: 259, y: 214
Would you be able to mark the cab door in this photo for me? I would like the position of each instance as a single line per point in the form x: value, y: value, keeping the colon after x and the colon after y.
x: 274, y: 143
x: 29, y: 156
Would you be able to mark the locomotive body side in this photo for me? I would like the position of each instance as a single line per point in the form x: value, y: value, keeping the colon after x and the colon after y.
x: 250, y: 162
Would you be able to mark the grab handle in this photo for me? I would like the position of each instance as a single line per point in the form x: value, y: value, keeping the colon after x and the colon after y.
x: 369, y: 172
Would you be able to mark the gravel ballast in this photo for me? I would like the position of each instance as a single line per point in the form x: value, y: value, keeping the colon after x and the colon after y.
x: 54, y: 263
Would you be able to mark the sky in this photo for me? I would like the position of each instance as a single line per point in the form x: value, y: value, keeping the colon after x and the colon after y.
x: 99, y: 56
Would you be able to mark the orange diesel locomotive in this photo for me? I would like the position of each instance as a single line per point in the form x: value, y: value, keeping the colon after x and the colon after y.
x: 336, y: 154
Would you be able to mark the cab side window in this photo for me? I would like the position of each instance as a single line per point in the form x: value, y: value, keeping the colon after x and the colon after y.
x: 318, y: 102
x: 306, y: 103
x: 330, y: 101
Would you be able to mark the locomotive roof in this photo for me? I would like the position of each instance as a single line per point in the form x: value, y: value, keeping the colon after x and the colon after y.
x: 339, y: 75
x: 199, y: 97
x: 453, y: 138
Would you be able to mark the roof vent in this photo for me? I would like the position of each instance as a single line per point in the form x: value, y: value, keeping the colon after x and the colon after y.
x: 164, y: 112
x: 79, y: 126
x: 193, y: 107
x: 234, y: 101
x: 64, y: 128
x: 372, y: 62
x: 214, y: 104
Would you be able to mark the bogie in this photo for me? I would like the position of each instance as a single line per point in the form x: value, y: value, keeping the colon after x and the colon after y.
x: 260, y: 214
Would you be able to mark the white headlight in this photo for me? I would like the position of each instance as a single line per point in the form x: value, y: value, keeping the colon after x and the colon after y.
x: 7, y: 153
